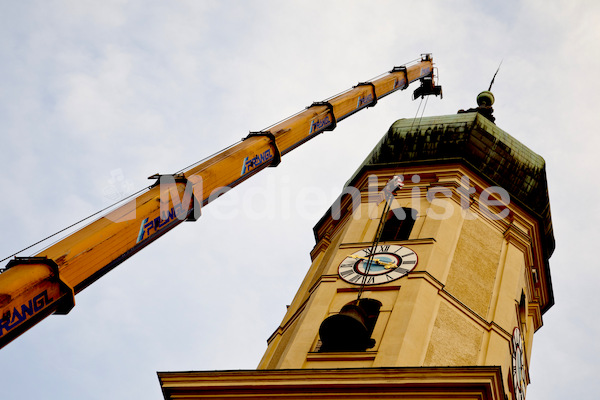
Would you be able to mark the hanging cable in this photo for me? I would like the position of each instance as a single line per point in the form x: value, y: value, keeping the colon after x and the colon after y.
x: 416, y: 114
x: 388, y: 198
x: 423, y: 111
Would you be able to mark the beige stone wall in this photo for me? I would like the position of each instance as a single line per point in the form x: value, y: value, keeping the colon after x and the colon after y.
x: 455, y: 341
x: 474, y: 265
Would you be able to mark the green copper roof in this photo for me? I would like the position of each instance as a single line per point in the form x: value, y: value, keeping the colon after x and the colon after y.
x: 474, y: 140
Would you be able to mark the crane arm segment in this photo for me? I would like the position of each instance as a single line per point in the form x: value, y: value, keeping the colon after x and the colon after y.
x: 34, y: 287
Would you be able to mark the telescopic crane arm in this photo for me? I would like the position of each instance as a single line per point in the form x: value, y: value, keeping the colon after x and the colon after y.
x: 32, y: 288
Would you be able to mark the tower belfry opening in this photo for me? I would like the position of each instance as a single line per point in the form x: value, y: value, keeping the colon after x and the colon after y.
x: 351, y: 328
x: 444, y: 304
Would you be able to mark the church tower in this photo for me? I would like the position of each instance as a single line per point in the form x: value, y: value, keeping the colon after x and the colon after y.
x: 429, y: 276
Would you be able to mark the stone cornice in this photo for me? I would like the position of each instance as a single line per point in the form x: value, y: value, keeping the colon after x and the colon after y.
x: 476, y: 382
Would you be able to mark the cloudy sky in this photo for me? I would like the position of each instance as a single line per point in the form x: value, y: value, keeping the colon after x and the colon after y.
x: 97, y: 96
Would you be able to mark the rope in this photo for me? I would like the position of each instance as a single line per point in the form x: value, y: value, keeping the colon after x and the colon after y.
x: 416, y: 114
x: 386, y: 208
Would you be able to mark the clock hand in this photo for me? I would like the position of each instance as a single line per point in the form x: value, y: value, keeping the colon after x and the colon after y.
x: 386, y: 265
x: 389, y: 265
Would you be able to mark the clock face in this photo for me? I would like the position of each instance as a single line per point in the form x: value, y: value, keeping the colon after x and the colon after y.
x: 518, y: 365
x: 389, y: 263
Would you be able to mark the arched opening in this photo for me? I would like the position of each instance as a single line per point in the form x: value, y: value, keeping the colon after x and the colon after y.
x: 351, y: 328
x: 398, y: 224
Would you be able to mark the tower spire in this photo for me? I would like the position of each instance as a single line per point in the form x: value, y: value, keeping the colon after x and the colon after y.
x: 494, y: 77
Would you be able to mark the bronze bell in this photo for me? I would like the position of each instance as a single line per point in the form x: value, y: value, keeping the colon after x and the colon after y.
x: 346, y: 331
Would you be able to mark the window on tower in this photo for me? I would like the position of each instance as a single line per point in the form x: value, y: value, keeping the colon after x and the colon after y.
x: 398, y: 224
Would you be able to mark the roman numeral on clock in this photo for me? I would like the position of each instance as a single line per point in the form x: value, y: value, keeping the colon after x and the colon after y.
x: 347, y: 264
x: 346, y: 273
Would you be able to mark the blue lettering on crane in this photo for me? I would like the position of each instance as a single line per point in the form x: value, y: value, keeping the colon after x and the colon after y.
x: 425, y: 70
x: 362, y: 101
x: 250, y: 164
x: 318, y: 124
x: 398, y: 82
x: 149, y: 227
x: 17, y: 315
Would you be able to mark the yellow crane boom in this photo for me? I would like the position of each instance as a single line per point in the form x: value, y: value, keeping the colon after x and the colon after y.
x: 32, y: 288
